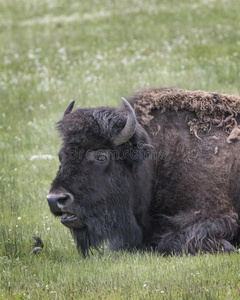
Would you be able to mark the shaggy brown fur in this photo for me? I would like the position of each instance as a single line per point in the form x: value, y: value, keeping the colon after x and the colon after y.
x: 210, y: 108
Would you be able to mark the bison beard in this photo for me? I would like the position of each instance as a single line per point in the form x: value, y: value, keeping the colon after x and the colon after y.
x: 159, y: 173
x: 102, y: 228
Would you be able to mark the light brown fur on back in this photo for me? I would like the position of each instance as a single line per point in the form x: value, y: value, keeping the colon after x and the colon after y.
x: 210, y: 108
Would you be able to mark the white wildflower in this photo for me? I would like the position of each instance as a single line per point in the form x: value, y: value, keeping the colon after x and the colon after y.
x: 42, y: 106
x: 31, y: 55
x: 41, y: 156
x: 6, y: 60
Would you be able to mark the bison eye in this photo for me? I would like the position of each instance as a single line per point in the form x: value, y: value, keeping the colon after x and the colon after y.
x: 98, y: 156
x: 101, y: 158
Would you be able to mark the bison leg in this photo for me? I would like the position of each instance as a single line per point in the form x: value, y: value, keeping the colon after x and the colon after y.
x: 193, y: 234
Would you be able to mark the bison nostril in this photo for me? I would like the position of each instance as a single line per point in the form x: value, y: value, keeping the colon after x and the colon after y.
x: 62, y: 200
x: 56, y: 201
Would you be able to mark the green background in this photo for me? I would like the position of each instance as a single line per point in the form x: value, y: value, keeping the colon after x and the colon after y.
x: 96, y: 52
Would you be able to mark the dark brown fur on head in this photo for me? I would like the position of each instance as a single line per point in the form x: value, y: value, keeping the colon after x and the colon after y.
x: 110, y: 199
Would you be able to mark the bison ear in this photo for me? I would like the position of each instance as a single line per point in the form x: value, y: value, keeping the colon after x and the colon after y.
x: 141, y: 152
x: 69, y: 108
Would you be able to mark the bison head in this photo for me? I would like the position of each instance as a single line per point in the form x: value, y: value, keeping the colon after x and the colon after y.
x: 103, y: 186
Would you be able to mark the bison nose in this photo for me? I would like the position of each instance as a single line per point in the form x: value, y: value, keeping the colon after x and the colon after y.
x: 57, y: 201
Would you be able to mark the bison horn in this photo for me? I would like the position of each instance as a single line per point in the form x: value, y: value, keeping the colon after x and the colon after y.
x: 127, y: 132
x: 69, y: 108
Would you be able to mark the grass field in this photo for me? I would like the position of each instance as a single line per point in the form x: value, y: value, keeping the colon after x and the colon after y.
x: 96, y: 51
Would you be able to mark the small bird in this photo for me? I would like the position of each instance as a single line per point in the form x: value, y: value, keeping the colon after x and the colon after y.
x: 37, y: 250
x: 38, y: 242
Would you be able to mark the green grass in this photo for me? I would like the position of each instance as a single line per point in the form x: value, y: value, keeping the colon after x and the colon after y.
x: 121, y: 276
x: 95, y: 52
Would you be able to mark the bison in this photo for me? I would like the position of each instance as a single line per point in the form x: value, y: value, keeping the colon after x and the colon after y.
x: 162, y: 172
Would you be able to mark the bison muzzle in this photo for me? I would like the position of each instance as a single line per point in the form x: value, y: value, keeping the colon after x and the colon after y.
x: 162, y: 172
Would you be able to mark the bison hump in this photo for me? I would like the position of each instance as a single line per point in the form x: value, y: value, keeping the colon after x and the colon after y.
x: 220, y: 110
